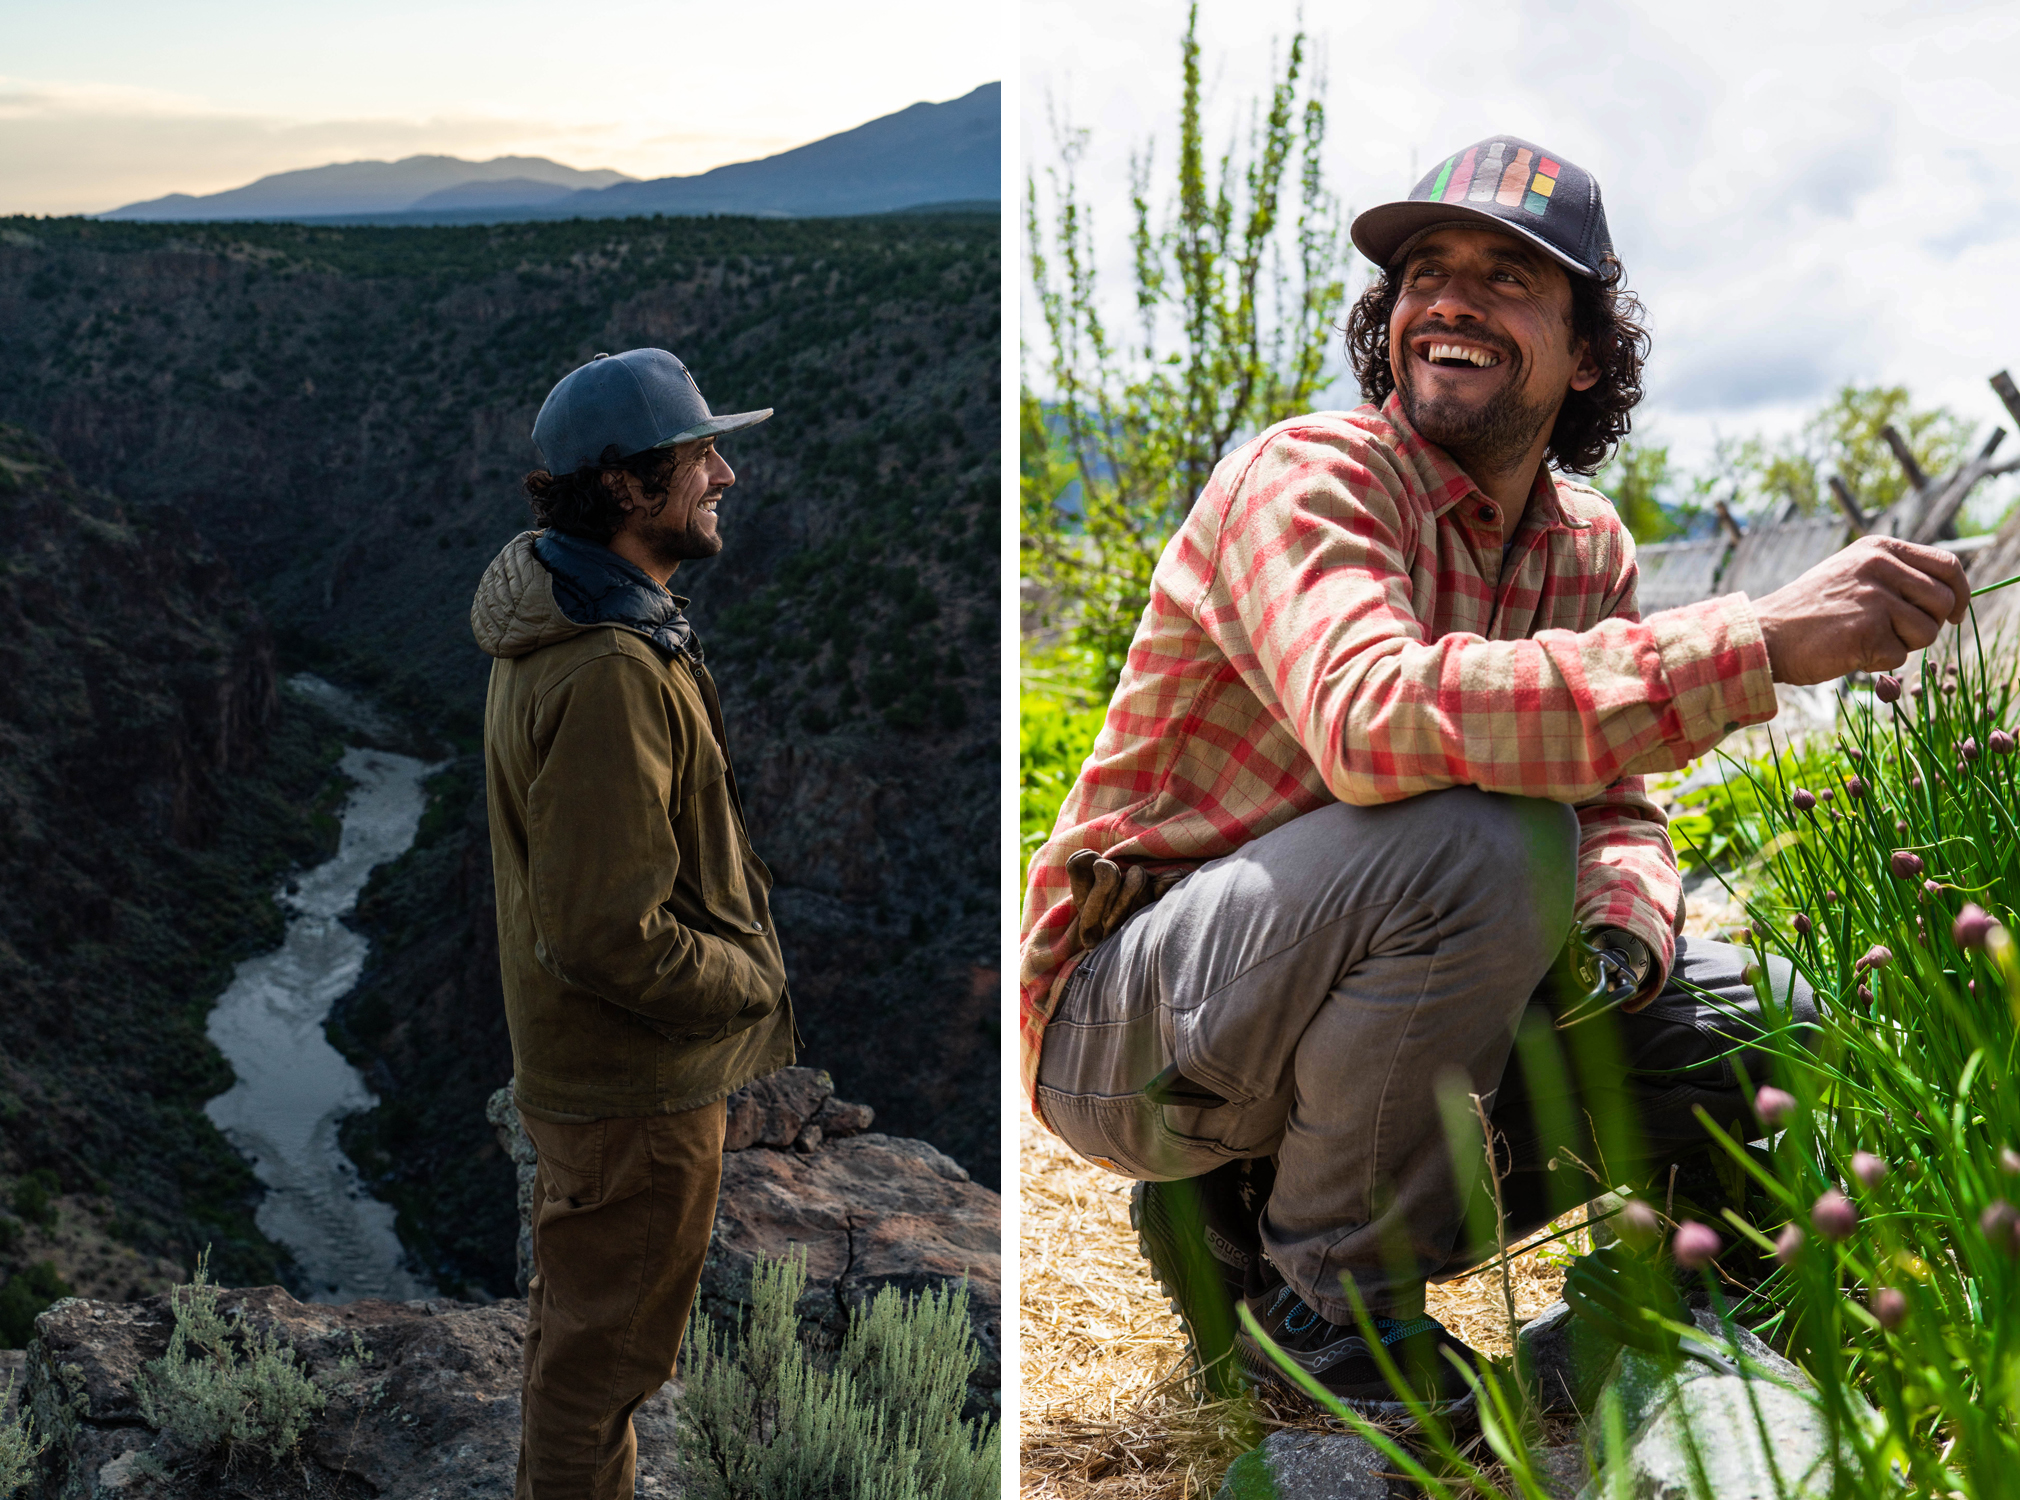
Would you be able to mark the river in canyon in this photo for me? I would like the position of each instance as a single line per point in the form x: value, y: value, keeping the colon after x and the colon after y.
x: 293, y: 1087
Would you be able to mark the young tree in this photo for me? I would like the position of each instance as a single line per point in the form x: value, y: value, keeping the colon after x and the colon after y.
x: 1846, y: 437
x: 1236, y: 295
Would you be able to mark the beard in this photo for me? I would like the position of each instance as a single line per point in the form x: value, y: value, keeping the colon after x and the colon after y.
x: 1490, y: 436
x: 671, y: 545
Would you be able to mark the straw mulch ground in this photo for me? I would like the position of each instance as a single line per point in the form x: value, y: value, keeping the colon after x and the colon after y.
x: 1106, y: 1411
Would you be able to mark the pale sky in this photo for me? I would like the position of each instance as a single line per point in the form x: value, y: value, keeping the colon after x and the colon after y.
x: 107, y: 102
x: 1805, y: 192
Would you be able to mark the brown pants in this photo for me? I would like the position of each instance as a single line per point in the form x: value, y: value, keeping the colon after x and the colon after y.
x: 621, y: 1220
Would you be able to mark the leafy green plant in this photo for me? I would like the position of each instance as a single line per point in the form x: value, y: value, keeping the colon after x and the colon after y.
x: 1054, y: 739
x: 226, y: 1388
x: 761, y: 1421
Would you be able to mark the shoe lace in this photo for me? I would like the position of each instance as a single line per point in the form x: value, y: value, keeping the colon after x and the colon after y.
x: 1390, y: 1330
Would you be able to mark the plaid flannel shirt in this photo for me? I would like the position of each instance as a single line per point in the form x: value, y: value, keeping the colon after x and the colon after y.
x: 1335, y: 621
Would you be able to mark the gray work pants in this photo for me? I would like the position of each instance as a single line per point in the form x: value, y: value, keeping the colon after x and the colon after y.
x: 1306, y: 997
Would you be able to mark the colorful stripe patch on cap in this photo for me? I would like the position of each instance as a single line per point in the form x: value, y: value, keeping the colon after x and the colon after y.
x: 1541, y: 186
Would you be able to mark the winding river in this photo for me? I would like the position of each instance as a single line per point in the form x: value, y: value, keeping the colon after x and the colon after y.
x: 293, y: 1086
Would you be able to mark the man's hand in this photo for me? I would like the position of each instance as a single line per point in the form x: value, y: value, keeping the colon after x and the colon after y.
x: 1862, y: 610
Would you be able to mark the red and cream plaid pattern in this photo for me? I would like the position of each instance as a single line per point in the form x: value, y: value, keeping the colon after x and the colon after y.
x: 1335, y: 621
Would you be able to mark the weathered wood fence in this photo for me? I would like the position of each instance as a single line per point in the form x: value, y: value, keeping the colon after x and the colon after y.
x: 1785, y: 545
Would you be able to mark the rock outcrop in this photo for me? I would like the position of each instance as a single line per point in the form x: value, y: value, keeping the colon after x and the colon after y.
x: 433, y: 1414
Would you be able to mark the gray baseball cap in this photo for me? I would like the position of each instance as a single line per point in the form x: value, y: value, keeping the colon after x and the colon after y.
x: 640, y: 399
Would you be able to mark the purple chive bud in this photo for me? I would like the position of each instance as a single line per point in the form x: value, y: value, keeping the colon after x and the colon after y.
x: 1999, y: 742
x: 1901, y: 826
x: 1886, y: 688
x: 1802, y: 801
x: 1830, y: 898
x: 1998, y: 1222
x: 1695, y: 1245
x: 1972, y: 927
x: 1969, y: 749
x: 1906, y: 864
x: 1855, y: 788
x: 1868, y: 1168
x: 2009, y: 1161
x: 1802, y: 924
x: 1889, y: 1308
x: 1915, y: 782
x: 1865, y: 995
x: 1932, y: 888
x: 1750, y: 974
x: 1876, y: 957
x: 1773, y: 1105
x: 1788, y: 1244
x: 1853, y: 752
x: 1637, y: 1225
x: 1826, y: 795
x: 1834, y: 1215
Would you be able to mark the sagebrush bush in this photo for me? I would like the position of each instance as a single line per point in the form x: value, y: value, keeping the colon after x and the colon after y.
x: 224, y: 1387
x: 760, y: 1420
x: 18, y: 1446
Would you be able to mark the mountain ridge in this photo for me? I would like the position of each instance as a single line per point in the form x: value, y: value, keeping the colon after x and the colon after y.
x: 924, y: 154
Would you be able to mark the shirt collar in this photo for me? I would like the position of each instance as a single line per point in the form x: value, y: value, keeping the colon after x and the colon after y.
x: 1447, y: 484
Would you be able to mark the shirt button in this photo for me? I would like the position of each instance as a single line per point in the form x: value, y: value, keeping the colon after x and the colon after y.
x: 1487, y: 513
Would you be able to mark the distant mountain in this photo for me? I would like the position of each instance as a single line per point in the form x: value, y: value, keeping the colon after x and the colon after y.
x: 929, y: 153
x: 924, y: 155
x: 376, y: 187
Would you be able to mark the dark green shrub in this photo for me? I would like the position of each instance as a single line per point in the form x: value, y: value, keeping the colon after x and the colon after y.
x: 27, y: 1293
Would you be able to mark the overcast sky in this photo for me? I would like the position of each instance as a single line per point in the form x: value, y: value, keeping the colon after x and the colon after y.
x: 1805, y: 194
x: 107, y: 102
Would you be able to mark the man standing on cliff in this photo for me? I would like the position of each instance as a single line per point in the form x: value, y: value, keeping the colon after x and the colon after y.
x: 1379, y: 741
x: 643, y: 981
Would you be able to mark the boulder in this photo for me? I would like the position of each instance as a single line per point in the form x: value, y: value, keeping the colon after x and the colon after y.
x: 1565, y: 1357
x: 1748, y: 1440
x: 868, y: 1211
x: 1300, y: 1465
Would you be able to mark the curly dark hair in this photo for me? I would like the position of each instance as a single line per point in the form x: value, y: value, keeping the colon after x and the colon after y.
x: 581, y: 504
x: 1605, y: 316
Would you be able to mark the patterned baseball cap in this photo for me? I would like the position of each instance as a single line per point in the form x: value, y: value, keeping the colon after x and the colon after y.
x: 1514, y: 185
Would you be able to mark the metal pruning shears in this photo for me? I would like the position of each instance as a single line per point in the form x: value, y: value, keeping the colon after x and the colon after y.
x: 1611, y: 966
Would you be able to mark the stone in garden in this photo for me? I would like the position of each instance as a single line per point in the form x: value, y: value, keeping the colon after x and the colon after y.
x: 1294, y: 1465
x: 1566, y: 1357
x: 1710, y: 1426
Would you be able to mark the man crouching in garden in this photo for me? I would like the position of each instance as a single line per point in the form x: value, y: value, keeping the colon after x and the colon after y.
x: 1383, y: 724
x: 642, y: 977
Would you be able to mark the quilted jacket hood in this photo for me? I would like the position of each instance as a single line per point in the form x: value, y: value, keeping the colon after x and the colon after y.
x: 547, y: 587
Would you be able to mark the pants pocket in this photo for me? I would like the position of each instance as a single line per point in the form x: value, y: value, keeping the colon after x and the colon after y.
x: 571, y: 1162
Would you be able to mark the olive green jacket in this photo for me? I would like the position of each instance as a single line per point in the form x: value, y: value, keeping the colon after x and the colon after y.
x: 642, y: 975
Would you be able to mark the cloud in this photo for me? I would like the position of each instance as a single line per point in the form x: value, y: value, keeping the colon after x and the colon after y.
x: 1805, y: 193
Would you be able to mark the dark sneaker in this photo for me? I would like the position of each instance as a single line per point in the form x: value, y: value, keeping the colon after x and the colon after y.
x: 1340, y: 1358
x: 1201, y: 1238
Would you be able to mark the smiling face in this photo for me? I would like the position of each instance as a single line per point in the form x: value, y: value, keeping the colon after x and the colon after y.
x: 674, y: 522
x: 1481, y: 347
